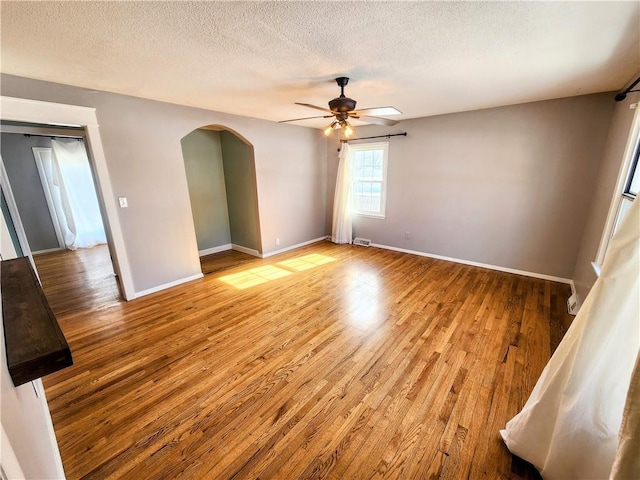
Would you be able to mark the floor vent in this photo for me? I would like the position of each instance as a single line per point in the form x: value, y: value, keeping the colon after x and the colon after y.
x: 572, y: 304
x: 363, y: 242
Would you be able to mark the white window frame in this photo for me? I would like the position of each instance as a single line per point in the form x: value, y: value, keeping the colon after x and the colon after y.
x: 633, y: 144
x: 363, y: 147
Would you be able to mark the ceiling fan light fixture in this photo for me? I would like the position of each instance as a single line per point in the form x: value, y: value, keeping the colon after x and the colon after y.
x: 347, y: 130
x: 329, y: 128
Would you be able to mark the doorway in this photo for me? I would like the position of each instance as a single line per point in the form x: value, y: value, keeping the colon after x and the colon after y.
x: 52, y: 185
x: 55, y: 114
x: 220, y: 170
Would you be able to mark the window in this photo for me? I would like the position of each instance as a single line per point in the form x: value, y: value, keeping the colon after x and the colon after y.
x: 626, y: 189
x: 630, y: 190
x: 369, y: 173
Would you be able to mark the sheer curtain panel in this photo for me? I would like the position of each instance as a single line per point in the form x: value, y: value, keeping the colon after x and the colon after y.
x: 77, y: 208
x: 342, y: 230
x: 627, y: 462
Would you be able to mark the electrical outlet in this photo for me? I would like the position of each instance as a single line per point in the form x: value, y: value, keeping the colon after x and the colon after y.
x: 406, y: 235
x: 123, y: 202
x: 277, y: 242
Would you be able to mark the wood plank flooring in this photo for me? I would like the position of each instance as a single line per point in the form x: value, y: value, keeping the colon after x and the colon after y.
x: 78, y: 281
x: 329, y: 361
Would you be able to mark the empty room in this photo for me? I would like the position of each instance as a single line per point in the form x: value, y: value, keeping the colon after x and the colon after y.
x: 319, y: 239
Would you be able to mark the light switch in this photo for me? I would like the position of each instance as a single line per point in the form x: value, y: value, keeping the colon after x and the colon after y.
x: 123, y: 202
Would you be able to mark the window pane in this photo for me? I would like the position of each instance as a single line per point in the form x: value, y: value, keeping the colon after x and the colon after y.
x: 368, y: 165
x: 374, y: 203
x: 377, y: 170
x: 360, y: 165
x: 368, y: 196
x: 635, y: 181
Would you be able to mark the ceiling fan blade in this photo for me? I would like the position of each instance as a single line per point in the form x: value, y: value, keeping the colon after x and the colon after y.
x: 305, y: 118
x: 378, y: 120
x: 314, y: 106
x: 384, y: 111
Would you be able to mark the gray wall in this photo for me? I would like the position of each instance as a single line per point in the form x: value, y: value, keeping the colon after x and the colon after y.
x: 27, y: 188
x: 242, y: 201
x: 583, y: 275
x: 141, y: 140
x: 508, y: 186
x: 205, y: 178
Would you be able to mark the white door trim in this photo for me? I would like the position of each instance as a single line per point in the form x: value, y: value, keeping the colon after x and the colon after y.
x: 34, y: 111
x: 5, y: 187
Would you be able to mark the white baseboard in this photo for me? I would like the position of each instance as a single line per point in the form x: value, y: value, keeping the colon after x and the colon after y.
x: 149, y: 291
x: 541, y: 276
x: 212, y: 250
x: 48, y: 250
x: 293, y: 247
x: 248, y: 251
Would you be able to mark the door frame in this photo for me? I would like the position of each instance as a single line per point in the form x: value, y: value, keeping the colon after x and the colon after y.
x: 5, y: 188
x: 56, y: 114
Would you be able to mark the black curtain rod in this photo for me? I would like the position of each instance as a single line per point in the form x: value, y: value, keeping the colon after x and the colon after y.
x: 403, y: 134
x: 622, y: 94
x: 53, y: 137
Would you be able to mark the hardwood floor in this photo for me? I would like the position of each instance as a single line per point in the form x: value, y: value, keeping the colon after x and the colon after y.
x: 325, y: 362
x: 224, y: 261
x: 78, y: 281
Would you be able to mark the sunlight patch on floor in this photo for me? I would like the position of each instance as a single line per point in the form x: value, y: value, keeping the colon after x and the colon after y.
x: 254, y: 276
x: 307, y: 261
x: 259, y: 275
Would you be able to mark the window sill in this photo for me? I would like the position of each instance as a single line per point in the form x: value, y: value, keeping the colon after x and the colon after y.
x: 369, y: 215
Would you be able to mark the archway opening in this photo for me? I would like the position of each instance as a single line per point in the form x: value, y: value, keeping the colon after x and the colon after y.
x: 221, y: 176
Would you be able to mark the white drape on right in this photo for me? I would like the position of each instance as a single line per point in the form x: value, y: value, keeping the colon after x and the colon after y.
x: 342, y: 229
x: 569, y: 426
x: 74, y: 195
x: 627, y: 462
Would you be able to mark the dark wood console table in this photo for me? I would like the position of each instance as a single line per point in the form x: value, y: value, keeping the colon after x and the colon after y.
x: 35, y: 345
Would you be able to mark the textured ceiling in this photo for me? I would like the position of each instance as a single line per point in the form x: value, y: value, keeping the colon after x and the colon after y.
x: 258, y: 58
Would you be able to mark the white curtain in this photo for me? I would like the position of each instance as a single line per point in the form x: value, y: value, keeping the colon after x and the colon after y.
x: 73, y: 194
x: 342, y: 229
x: 627, y: 462
x: 569, y: 426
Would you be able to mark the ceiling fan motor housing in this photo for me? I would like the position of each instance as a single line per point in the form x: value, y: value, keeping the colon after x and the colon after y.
x: 342, y: 104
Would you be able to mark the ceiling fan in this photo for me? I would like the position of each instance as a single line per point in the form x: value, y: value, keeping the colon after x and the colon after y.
x: 343, y: 108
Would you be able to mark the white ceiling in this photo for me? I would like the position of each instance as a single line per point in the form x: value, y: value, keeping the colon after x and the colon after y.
x: 258, y: 58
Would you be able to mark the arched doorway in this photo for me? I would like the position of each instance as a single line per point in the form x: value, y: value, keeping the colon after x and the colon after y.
x: 221, y: 175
